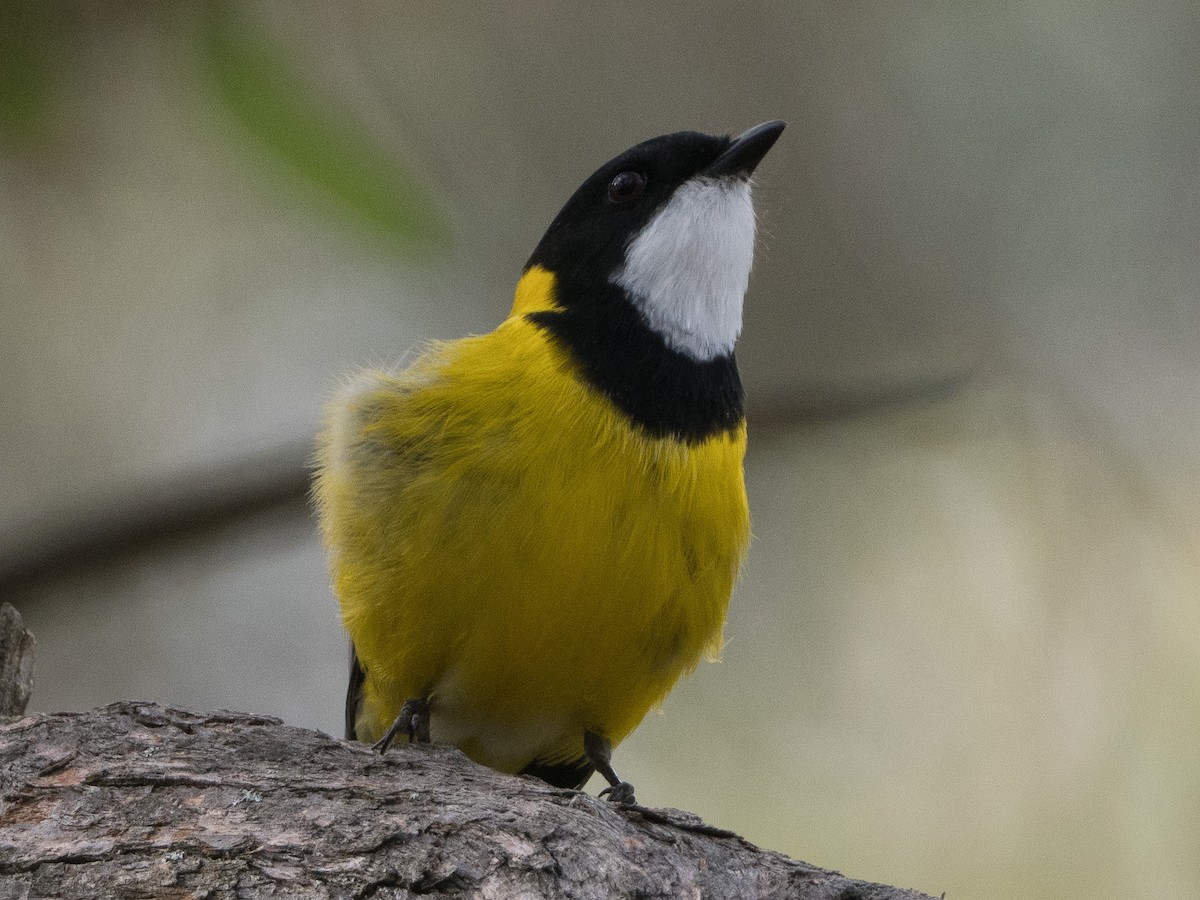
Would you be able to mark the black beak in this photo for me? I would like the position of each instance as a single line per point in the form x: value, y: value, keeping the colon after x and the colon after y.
x: 746, y: 151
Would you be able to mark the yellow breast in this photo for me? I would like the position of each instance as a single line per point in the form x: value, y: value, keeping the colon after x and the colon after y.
x: 505, y: 542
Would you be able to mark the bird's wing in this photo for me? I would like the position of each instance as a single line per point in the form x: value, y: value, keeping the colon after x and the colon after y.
x: 362, y: 469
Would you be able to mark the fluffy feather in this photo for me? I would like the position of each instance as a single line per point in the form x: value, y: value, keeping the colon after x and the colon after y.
x: 688, y: 268
x: 508, y: 544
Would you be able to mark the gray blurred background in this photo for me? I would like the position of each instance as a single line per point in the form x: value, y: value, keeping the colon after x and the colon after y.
x: 965, y: 652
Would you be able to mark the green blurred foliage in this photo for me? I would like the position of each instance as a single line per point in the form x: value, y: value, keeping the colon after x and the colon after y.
x: 315, y: 143
x: 32, y: 45
x: 312, y: 144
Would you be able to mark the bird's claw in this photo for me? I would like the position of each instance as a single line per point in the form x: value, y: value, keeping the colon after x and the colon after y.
x: 412, y: 721
x: 621, y: 792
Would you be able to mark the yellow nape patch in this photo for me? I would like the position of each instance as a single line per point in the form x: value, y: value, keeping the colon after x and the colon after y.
x: 535, y: 292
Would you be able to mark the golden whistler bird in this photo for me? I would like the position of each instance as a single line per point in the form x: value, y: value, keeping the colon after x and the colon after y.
x: 534, y: 533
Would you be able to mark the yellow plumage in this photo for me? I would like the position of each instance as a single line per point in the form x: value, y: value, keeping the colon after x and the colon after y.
x: 505, y: 542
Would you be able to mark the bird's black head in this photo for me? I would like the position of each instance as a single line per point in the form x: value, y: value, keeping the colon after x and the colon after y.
x: 670, y: 225
x: 589, y: 233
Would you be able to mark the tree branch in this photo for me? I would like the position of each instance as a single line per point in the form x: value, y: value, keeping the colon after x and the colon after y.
x: 16, y: 662
x: 141, y: 800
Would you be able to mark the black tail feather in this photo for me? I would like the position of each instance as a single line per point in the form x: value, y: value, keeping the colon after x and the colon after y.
x: 571, y: 774
x: 354, y: 694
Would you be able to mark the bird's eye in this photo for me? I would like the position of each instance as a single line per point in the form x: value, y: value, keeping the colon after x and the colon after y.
x: 626, y: 186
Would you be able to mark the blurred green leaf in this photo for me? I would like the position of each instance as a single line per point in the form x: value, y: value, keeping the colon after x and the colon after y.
x: 312, y: 139
x: 29, y: 33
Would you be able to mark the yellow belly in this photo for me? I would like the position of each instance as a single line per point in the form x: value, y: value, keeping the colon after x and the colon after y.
x: 504, y: 542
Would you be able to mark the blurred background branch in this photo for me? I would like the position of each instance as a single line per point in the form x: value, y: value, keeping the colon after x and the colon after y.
x: 161, y: 515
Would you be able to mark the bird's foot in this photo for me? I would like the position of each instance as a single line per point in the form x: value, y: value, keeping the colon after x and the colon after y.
x: 598, y: 750
x: 621, y: 792
x: 413, y: 721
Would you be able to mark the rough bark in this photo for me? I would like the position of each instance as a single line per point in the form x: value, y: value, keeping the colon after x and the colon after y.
x: 16, y: 662
x: 141, y: 800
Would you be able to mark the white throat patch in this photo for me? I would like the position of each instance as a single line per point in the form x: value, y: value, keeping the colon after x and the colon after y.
x: 688, y: 268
